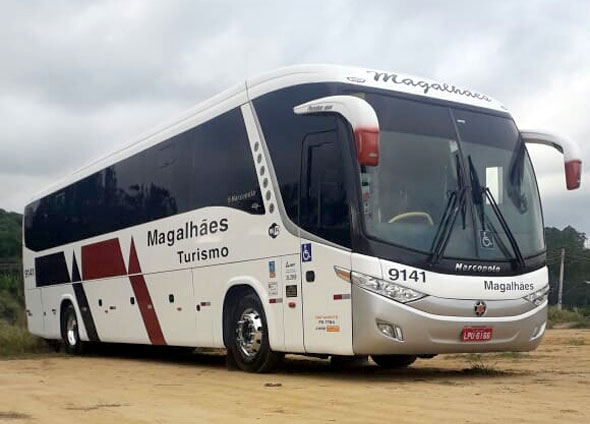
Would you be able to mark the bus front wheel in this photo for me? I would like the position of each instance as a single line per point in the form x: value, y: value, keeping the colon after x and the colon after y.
x: 250, y: 346
x: 393, y: 361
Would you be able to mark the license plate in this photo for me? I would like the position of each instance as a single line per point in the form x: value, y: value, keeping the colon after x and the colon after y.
x: 476, y: 334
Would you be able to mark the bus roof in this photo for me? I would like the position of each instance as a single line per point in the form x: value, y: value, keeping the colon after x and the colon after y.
x: 275, y: 80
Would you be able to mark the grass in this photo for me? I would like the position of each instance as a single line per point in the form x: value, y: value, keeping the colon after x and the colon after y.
x: 576, y: 342
x: 16, y: 340
x: 11, y: 299
x: 479, y: 364
x: 570, y: 318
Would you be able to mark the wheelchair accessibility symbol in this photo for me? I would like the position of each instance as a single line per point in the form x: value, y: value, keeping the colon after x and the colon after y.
x: 486, y: 239
x: 306, y: 252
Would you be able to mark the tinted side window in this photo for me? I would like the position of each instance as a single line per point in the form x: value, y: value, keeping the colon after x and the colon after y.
x: 284, y: 131
x: 324, y: 203
x: 210, y: 165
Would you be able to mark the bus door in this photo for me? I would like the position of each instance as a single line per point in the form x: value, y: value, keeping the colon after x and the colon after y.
x: 324, y: 213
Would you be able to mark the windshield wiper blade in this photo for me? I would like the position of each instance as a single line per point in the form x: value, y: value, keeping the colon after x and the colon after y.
x: 455, y: 203
x: 448, y: 208
x: 477, y: 193
x: 488, y: 194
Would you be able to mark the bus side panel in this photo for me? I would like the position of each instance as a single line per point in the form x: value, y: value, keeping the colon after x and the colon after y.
x: 173, y: 300
x: 116, y: 312
x: 34, y: 309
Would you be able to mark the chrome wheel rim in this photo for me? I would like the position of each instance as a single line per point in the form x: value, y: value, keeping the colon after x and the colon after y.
x: 249, y: 333
x: 72, y: 330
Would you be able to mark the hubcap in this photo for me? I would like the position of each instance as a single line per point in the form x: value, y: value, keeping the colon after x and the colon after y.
x: 72, y: 330
x: 249, y: 333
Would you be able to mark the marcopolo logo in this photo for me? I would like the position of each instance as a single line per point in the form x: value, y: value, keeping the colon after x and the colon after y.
x: 480, y: 308
x: 461, y: 267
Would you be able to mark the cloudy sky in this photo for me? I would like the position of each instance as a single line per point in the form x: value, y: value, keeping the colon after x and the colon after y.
x: 79, y: 78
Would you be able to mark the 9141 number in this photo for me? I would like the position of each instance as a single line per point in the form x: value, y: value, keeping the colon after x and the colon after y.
x: 404, y: 275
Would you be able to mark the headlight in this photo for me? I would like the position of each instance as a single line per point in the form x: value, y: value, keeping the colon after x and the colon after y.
x: 539, y: 296
x: 385, y: 288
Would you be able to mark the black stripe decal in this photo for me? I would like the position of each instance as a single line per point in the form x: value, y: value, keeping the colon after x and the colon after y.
x: 85, y: 311
x: 75, y: 270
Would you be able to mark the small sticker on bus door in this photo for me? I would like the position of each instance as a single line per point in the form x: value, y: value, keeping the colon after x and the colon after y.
x: 306, y: 252
x: 273, y: 289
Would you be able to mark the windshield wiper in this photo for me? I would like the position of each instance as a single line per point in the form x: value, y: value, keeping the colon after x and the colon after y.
x: 447, y: 224
x: 505, y: 226
x: 479, y: 193
x: 455, y: 204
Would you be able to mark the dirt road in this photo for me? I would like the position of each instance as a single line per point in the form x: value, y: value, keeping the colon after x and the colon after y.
x: 549, y: 385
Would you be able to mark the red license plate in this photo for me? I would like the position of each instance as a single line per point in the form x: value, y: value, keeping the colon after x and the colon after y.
x: 476, y: 334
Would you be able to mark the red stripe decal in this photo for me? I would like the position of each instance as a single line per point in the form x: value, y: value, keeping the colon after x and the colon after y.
x: 144, y: 300
x: 102, y: 260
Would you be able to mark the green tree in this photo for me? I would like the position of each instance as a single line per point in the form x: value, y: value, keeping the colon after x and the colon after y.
x: 576, y: 292
x: 10, y: 235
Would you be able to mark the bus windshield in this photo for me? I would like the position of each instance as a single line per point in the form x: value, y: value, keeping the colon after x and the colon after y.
x: 451, y: 180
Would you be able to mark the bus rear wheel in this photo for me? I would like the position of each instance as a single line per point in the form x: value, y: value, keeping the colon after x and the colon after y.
x: 393, y: 361
x: 69, y: 331
x: 250, y: 346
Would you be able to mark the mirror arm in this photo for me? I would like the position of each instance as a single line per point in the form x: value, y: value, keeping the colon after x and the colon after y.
x: 360, y: 115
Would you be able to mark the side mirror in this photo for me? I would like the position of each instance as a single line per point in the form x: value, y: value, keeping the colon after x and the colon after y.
x: 359, y: 114
x: 571, y: 154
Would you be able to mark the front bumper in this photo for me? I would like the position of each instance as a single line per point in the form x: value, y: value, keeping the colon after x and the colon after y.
x: 427, y: 333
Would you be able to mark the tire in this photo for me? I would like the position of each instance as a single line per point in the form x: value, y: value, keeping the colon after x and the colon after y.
x: 69, y: 331
x: 249, y: 337
x: 393, y: 361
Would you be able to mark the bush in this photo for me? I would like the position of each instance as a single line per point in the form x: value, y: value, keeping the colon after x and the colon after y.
x: 13, y: 284
x: 12, y: 302
x: 16, y: 340
x: 574, y: 318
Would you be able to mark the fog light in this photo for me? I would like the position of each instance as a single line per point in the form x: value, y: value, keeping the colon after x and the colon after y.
x: 391, y: 331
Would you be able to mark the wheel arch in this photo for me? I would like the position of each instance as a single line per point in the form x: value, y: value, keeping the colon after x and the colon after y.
x: 68, y: 299
x: 238, y: 287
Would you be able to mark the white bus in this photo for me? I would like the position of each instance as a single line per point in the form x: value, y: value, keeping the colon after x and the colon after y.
x: 317, y: 210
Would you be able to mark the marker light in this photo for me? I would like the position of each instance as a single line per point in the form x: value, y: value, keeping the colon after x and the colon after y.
x: 539, y: 296
x: 342, y: 273
x: 385, y: 288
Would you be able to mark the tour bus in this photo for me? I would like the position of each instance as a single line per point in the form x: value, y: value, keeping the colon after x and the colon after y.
x: 317, y: 210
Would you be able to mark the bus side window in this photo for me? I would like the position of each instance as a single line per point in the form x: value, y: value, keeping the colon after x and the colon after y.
x: 324, y: 202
